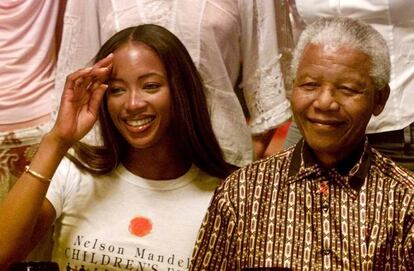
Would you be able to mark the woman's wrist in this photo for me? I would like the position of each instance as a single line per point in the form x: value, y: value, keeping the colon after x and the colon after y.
x: 49, y: 154
x: 55, y: 142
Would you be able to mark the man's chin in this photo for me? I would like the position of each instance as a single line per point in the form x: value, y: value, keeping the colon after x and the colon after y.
x: 326, y: 146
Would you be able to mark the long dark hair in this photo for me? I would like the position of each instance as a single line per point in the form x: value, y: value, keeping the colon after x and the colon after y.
x: 191, y: 122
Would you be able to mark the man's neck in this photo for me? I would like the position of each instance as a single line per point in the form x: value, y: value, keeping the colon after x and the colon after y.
x: 342, y: 165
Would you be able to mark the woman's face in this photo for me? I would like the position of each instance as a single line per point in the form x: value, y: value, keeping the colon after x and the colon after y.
x: 139, y: 97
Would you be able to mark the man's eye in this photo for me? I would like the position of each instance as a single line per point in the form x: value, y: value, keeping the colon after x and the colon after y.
x: 349, y: 90
x: 309, y: 86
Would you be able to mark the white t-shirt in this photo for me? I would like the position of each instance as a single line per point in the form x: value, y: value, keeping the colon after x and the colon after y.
x: 220, y: 35
x: 124, y: 222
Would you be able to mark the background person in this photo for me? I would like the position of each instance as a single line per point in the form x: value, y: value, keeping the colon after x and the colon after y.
x: 137, y: 201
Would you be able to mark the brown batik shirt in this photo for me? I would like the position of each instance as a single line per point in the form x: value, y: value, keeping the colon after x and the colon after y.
x: 287, y: 211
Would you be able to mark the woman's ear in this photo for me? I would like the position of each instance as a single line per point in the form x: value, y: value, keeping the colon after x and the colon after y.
x: 381, y: 97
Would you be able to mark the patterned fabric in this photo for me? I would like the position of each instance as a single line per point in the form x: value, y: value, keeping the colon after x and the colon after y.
x: 16, y: 151
x: 287, y: 211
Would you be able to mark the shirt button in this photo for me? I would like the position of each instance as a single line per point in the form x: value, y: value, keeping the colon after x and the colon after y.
x: 326, y: 252
x: 325, y: 207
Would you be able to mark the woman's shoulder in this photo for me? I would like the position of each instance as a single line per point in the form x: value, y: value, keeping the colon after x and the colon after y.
x: 68, y: 170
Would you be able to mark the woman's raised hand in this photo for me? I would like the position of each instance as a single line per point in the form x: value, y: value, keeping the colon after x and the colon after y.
x: 80, y: 101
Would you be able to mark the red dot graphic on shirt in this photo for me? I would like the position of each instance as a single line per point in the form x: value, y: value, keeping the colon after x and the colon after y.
x: 140, y: 226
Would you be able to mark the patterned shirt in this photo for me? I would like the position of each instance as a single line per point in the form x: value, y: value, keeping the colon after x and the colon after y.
x: 288, y: 211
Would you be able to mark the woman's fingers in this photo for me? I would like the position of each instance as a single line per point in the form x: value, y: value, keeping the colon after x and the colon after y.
x: 84, y: 77
x: 85, y: 80
x: 71, y: 79
x: 102, y: 69
x: 104, y: 62
x: 101, y: 74
x: 96, y: 96
x: 82, y: 96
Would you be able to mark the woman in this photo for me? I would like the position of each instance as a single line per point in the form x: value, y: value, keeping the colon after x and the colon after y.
x: 232, y: 42
x: 136, y: 202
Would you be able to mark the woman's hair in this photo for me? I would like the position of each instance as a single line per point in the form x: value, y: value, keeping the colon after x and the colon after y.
x: 191, y: 124
x: 341, y: 31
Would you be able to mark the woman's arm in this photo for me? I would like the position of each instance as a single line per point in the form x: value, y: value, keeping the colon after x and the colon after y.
x: 25, y: 214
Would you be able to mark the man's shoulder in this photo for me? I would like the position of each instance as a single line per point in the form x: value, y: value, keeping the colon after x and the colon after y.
x: 255, y: 181
x: 261, y: 172
x: 393, y: 172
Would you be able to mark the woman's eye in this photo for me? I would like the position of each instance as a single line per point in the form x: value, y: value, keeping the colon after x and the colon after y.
x: 115, y: 90
x: 151, y: 86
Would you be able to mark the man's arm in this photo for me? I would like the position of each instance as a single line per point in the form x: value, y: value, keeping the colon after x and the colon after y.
x: 216, y: 235
x: 408, y: 243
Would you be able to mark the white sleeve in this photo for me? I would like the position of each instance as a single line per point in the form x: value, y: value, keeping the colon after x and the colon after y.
x: 262, y: 82
x: 64, y: 182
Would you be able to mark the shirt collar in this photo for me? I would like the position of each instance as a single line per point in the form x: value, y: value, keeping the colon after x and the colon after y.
x: 351, y: 171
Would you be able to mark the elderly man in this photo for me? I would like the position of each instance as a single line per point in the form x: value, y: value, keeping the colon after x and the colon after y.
x: 332, y: 202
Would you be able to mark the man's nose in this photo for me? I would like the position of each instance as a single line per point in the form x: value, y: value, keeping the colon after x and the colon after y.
x: 326, y: 99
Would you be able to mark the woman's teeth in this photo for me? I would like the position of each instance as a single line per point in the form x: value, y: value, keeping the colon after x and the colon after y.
x: 140, y: 122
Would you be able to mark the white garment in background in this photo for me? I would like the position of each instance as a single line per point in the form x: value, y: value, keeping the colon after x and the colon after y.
x: 394, y: 20
x: 27, y: 59
x: 219, y: 34
x: 94, y: 216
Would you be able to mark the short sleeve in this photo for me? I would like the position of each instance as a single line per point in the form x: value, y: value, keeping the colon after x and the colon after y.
x: 63, y: 183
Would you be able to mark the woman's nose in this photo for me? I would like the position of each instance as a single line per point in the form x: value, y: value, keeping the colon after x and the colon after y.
x: 135, y: 101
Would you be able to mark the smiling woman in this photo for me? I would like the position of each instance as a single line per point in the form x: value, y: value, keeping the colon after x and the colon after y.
x: 159, y: 157
x: 139, y: 99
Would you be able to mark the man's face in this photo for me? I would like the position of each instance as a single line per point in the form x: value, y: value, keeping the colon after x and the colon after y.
x: 333, y: 99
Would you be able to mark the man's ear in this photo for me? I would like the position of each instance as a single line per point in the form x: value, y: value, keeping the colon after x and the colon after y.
x: 291, y: 87
x: 381, y: 97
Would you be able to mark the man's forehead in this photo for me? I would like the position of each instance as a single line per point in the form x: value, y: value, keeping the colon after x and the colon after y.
x: 333, y: 47
x: 333, y: 54
x: 330, y: 48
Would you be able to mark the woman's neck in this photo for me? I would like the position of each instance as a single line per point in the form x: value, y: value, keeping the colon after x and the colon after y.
x: 156, y: 165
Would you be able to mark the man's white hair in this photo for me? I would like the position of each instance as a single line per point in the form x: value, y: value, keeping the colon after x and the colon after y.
x: 336, y: 32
